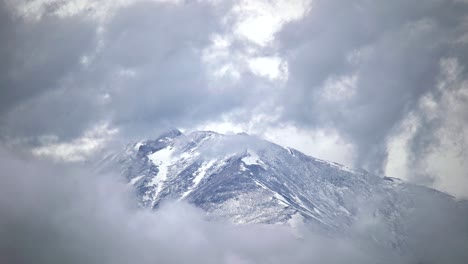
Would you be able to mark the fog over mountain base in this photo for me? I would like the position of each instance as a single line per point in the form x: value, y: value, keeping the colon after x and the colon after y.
x: 379, y: 86
x: 61, y: 214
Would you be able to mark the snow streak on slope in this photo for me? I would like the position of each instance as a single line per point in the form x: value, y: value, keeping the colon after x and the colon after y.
x: 199, y: 174
x: 163, y: 160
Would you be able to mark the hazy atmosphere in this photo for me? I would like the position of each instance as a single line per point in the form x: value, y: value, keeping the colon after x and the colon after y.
x: 378, y: 85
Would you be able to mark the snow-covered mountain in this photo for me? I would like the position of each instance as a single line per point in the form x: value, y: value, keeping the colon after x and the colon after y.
x: 245, y: 179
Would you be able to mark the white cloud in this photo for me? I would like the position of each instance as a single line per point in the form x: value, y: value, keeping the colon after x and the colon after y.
x: 78, y: 149
x: 340, y: 88
x: 256, y: 23
x: 259, y: 20
x: 326, y: 144
x: 439, y: 131
x: 270, y: 67
x: 344, y: 65
x: 90, y: 218
x: 398, y: 150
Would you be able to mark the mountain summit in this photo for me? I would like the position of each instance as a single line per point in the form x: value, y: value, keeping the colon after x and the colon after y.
x: 245, y: 179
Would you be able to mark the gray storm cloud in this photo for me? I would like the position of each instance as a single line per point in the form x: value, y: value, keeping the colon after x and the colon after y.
x: 140, y: 70
x: 391, y: 49
x: 389, y: 76
x: 66, y: 214
x: 360, y: 68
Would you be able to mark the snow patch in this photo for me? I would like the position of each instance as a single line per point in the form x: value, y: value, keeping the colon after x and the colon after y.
x: 252, y: 159
x: 276, y: 195
x: 165, y: 139
x: 163, y: 159
x: 138, y: 145
x: 339, y: 166
x: 136, y: 179
x: 242, y: 167
x: 189, y: 155
x: 199, y: 175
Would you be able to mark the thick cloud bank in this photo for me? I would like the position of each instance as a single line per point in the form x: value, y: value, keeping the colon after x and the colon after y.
x: 364, y: 67
x: 58, y: 214
x: 382, y: 84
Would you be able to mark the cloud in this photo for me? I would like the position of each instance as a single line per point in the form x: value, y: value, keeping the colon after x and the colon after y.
x: 351, y: 72
x: 141, y: 71
x: 380, y: 84
x: 79, y: 149
x: 388, y: 51
x: 430, y: 145
x: 37, y: 56
x: 54, y: 213
x: 259, y: 21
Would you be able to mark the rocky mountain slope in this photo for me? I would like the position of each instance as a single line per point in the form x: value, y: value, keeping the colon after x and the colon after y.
x: 245, y: 179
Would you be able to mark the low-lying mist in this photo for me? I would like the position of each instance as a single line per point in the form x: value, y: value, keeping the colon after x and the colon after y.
x: 53, y: 213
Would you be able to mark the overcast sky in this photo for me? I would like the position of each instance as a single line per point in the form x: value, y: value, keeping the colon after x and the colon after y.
x: 376, y: 84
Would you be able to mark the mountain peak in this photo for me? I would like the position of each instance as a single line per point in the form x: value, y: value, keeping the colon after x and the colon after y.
x: 245, y: 179
x: 170, y: 133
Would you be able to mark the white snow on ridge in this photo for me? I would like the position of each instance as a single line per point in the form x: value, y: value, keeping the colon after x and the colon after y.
x: 252, y: 159
x: 339, y: 166
x: 281, y: 200
x: 136, y: 179
x: 190, y: 154
x: 290, y: 151
x: 163, y: 159
x: 276, y: 195
x: 199, y: 175
x: 138, y: 145
x: 201, y: 172
x: 242, y: 167
x: 166, y: 139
